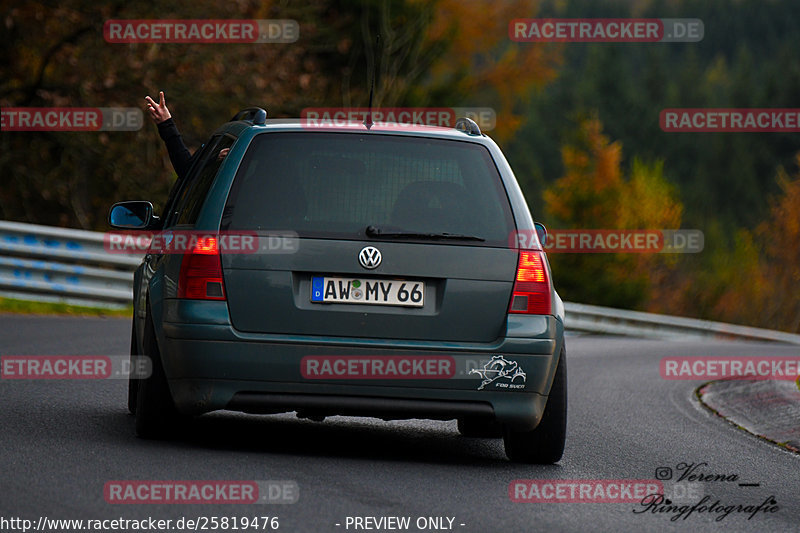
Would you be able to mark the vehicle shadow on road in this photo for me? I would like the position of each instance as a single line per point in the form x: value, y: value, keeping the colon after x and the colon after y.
x: 418, y: 440
x: 428, y: 441
x: 73, y: 424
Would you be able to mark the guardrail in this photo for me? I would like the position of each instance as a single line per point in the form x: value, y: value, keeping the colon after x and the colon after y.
x: 44, y: 263
x: 605, y: 320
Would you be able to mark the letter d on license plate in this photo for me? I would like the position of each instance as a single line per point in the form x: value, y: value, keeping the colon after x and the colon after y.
x: 405, y: 293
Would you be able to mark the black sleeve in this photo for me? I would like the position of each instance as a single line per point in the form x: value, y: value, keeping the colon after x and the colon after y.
x: 179, y: 155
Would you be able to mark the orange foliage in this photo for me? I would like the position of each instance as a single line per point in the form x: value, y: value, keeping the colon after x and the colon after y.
x: 594, y: 194
x: 753, y: 282
x: 485, y: 62
x: 780, y: 237
x: 589, y: 194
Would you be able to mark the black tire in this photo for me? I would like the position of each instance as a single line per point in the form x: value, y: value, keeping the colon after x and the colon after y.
x: 133, y: 383
x: 480, y: 428
x: 545, y: 444
x: 156, y: 415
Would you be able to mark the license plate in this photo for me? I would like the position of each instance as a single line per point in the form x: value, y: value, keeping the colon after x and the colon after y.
x: 406, y: 293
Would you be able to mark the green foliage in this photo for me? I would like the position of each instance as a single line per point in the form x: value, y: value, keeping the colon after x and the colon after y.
x: 747, y: 58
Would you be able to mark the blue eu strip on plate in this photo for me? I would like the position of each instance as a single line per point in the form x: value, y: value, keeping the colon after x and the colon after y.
x: 317, y: 288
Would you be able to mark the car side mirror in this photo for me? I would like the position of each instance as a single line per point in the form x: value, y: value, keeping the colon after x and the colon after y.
x: 541, y: 232
x: 132, y: 215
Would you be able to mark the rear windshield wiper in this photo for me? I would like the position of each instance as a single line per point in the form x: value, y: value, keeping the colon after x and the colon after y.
x: 372, y: 231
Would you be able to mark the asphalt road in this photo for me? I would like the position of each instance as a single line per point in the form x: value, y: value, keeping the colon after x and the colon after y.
x: 62, y: 441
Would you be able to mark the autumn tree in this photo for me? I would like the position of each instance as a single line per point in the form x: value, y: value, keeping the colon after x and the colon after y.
x: 483, y: 66
x: 780, y: 238
x: 753, y: 280
x: 594, y: 194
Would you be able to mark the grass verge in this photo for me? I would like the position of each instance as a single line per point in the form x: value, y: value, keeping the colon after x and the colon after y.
x: 11, y: 305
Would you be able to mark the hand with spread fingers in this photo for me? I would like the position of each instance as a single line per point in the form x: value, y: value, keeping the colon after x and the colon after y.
x: 158, y: 111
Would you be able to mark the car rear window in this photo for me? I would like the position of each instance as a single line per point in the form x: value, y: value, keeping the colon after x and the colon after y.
x: 335, y: 185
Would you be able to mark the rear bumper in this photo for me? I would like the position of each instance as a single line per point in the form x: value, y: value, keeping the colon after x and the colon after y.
x: 211, y: 366
x: 522, y: 411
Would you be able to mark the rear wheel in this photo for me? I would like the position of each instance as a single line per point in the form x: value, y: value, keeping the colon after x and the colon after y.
x: 480, y: 428
x: 545, y: 444
x: 156, y: 415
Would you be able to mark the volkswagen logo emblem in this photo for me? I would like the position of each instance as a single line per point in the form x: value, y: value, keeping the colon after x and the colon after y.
x: 369, y: 257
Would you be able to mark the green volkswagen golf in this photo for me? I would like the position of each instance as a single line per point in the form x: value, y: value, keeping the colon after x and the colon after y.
x: 361, y: 270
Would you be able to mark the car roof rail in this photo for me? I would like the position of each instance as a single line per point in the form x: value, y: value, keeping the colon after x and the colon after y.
x: 256, y: 115
x: 468, y: 126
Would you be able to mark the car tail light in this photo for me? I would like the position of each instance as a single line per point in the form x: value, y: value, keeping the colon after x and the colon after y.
x: 531, y: 294
x: 201, y: 272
